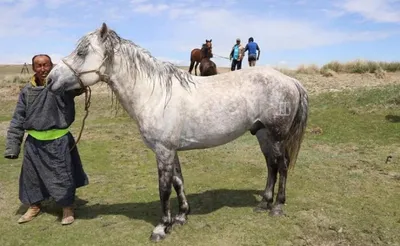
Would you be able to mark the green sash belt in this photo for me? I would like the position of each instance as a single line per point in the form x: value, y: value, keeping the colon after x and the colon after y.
x: 49, y: 134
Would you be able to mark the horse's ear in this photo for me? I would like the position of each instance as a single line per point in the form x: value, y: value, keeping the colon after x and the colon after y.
x: 210, y: 40
x: 103, y: 30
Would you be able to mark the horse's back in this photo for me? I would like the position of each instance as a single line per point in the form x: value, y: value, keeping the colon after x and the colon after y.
x: 195, y: 55
x: 262, y: 88
x: 259, y: 75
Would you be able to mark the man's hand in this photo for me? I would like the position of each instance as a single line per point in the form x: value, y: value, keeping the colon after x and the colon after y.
x: 11, y: 156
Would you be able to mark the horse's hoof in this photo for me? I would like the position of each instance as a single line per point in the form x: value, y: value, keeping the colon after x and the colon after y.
x: 160, y: 232
x: 156, y: 237
x: 180, y: 220
x: 262, y: 207
x: 276, y: 212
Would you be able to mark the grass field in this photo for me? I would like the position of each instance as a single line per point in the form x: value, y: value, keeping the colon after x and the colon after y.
x: 341, y: 192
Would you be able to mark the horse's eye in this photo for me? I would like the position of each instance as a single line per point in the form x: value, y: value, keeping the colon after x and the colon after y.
x: 80, y: 53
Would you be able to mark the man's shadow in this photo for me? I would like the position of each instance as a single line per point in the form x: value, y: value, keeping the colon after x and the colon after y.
x: 392, y: 118
x: 201, y: 203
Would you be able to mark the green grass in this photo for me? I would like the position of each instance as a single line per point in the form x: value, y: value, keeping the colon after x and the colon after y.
x: 341, y: 191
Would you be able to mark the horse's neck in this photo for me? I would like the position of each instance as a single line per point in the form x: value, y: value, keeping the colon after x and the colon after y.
x: 142, y: 83
x: 136, y: 91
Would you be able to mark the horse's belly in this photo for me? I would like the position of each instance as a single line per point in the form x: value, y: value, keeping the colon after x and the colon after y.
x: 201, y: 141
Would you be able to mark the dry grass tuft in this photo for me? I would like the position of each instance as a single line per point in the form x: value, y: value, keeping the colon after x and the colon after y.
x: 380, y: 73
x: 16, y: 79
x: 308, y: 69
x: 362, y: 66
x: 328, y: 72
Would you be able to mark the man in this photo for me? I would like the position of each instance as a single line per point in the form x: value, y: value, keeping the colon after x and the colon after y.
x: 252, y: 47
x: 236, y: 55
x: 49, y: 167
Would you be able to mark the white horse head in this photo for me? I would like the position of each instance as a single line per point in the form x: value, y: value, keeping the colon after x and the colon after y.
x: 87, y: 64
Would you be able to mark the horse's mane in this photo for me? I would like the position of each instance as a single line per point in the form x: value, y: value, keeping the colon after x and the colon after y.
x: 145, y: 64
x: 139, y: 60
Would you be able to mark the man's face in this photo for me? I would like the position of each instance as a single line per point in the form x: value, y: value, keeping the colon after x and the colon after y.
x: 42, y: 66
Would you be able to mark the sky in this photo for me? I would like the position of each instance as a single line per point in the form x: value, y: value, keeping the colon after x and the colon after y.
x: 288, y: 32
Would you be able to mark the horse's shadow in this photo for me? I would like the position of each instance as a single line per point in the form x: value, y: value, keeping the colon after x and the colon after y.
x: 201, y: 203
x: 392, y: 118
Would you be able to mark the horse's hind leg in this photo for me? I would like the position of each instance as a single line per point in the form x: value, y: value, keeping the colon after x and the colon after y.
x: 283, y: 161
x: 273, y: 148
x: 177, y: 181
x: 268, y: 147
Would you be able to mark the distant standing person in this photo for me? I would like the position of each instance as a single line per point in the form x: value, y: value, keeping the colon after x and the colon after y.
x: 236, y: 55
x: 252, y: 47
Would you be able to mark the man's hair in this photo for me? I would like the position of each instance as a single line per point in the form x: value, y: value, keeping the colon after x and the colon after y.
x: 33, y: 58
x: 251, y: 39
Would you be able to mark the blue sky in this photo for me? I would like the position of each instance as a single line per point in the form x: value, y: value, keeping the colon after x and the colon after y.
x: 289, y: 32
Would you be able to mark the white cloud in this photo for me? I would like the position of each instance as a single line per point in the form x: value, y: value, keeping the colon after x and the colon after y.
x: 55, y: 4
x: 16, y: 21
x: 150, y: 8
x: 376, y: 10
x: 138, y: 1
x: 174, y: 61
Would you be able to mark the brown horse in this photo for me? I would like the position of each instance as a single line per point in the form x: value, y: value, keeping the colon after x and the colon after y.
x: 198, y: 54
x: 207, y: 67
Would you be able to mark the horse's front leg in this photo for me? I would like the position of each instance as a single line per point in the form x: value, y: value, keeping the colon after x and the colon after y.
x: 165, y: 160
x: 195, y: 68
x: 178, y: 182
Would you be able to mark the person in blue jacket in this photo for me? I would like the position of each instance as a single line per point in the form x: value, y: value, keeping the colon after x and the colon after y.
x: 252, y: 48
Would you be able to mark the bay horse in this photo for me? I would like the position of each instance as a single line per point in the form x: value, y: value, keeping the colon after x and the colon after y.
x: 198, y: 54
x: 208, y: 67
x: 176, y: 111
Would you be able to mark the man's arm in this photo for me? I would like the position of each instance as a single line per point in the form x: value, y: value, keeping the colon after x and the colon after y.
x: 246, y: 48
x: 231, y: 54
x: 259, y: 51
x: 241, y: 52
x: 15, y: 132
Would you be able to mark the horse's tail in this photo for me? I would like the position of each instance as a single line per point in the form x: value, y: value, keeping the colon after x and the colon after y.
x: 297, y: 130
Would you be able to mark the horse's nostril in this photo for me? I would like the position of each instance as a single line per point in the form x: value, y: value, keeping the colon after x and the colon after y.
x: 48, y: 81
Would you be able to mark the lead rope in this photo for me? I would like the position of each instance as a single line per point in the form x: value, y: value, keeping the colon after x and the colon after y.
x: 88, y: 94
